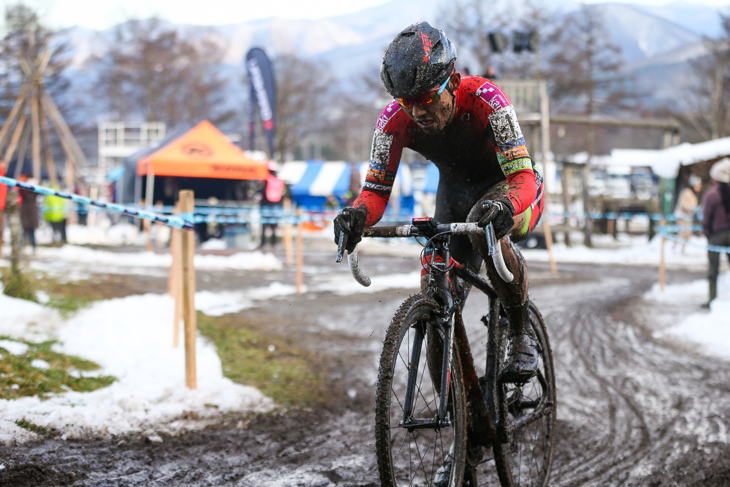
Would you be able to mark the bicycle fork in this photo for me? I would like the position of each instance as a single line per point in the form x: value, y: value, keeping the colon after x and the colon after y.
x: 440, y: 285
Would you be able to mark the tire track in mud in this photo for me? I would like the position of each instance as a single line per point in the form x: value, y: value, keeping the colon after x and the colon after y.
x: 622, y: 399
x: 631, y: 410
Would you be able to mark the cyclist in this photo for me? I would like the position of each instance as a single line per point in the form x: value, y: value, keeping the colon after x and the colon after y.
x: 467, y: 126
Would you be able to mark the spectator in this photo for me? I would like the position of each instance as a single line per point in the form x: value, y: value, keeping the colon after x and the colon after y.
x: 271, y: 196
x: 82, y: 210
x: 687, y: 206
x: 490, y: 73
x: 353, y: 190
x: 54, y: 212
x: 28, y: 213
x: 716, y: 220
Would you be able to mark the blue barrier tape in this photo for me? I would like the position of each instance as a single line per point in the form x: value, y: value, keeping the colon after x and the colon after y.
x: 147, y: 215
x: 667, y: 232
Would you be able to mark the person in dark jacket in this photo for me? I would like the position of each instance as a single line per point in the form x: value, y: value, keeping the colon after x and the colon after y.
x: 28, y: 214
x: 716, y: 220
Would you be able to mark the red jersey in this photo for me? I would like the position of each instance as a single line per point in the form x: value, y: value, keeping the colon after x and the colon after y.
x: 481, y: 146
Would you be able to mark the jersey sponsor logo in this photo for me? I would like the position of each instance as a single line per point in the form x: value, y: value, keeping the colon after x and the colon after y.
x: 516, y: 153
x: 426, y: 46
x: 512, y: 144
x: 380, y: 188
x: 505, y: 126
x: 380, y: 151
x: 387, y: 113
x: 513, y: 167
x: 376, y: 174
x: 493, y: 96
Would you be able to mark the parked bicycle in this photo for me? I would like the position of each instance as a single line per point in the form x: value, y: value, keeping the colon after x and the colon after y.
x: 435, y: 414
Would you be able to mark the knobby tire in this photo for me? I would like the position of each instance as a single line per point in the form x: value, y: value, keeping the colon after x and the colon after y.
x: 412, y: 458
x: 526, y: 460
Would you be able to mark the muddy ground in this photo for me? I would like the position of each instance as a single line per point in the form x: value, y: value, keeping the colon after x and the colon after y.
x: 631, y: 410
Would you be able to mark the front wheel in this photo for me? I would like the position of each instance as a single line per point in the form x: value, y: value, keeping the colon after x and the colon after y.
x: 413, y: 457
x: 526, y: 458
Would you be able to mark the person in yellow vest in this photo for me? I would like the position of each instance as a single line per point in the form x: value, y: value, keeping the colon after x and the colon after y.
x: 54, y: 212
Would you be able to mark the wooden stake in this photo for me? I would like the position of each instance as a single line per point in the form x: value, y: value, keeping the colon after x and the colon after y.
x: 288, y: 247
x: 662, y: 267
x: 65, y: 132
x: 188, y: 291
x: 300, y: 252
x: 19, y: 102
x: 14, y: 140
x: 36, y: 134
x: 21, y: 151
x: 50, y: 166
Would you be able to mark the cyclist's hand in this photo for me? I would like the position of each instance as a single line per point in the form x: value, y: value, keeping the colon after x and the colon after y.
x: 352, y: 222
x: 499, y: 212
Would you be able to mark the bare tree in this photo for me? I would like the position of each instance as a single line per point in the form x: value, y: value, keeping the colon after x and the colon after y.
x: 350, y: 123
x: 470, y: 22
x: 24, y: 39
x: 709, y: 89
x: 301, y: 90
x: 585, y: 75
x: 150, y: 72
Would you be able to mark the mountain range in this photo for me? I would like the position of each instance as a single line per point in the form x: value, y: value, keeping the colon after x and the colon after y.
x: 656, y: 42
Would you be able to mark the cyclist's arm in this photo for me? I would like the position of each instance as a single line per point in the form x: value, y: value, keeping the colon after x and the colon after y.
x: 513, y: 157
x: 385, y: 155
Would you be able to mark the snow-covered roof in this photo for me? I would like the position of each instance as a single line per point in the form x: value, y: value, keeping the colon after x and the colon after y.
x: 665, y: 163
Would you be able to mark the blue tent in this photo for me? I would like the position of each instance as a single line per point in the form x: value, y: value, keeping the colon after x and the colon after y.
x: 311, y: 182
x: 432, y: 178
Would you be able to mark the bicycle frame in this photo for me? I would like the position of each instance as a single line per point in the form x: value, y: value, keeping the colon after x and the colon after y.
x: 485, y: 410
x: 443, y: 270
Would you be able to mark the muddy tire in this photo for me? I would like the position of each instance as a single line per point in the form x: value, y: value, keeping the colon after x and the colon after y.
x: 412, y: 458
x: 526, y: 458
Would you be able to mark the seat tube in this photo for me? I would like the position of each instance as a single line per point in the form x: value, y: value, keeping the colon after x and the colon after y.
x: 412, y: 373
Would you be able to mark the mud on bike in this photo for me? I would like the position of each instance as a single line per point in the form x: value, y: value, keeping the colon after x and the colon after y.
x: 434, y: 410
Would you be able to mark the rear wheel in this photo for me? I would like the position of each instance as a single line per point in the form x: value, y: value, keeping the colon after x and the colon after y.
x: 526, y: 458
x: 413, y: 457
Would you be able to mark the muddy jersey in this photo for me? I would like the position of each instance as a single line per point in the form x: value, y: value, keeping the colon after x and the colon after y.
x: 481, y: 147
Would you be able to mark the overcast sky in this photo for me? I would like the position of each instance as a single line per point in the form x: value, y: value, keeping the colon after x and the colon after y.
x: 100, y: 14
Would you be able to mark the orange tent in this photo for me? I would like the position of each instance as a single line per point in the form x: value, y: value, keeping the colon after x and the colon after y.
x: 201, y: 152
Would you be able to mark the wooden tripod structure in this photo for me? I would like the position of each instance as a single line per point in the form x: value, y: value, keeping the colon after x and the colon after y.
x: 29, y: 118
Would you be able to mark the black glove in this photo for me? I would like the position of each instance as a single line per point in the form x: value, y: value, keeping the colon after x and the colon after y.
x: 499, y: 212
x: 352, y: 222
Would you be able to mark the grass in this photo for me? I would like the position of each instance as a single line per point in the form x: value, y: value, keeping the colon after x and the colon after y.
x: 18, y: 378
x: 291, y: 376
x: 18, y: 285
x: 27, y: 425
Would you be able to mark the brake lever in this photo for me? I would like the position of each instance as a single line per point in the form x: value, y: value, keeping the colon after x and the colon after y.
x: 341, y: 247
x: 491, y: 238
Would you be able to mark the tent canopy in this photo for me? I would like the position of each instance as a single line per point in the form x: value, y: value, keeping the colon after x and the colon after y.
x: 201, y: 152
x: 311, y: 182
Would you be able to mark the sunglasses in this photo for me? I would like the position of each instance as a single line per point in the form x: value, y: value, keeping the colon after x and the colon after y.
x: 425, y: 98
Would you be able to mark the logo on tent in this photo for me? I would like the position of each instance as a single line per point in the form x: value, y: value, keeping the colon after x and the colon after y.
x: 197, y: 149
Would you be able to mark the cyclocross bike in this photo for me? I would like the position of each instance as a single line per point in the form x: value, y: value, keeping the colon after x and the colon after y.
x: 434, y: 409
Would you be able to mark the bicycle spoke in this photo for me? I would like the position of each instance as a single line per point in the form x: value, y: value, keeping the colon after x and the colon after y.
x: 412, y: 458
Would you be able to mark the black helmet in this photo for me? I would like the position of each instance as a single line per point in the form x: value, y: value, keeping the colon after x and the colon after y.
x: 419, y: 58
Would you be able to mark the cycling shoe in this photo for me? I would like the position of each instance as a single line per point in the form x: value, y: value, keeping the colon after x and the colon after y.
x: 522, y: 359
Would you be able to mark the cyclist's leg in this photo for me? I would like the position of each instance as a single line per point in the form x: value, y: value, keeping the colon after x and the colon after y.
x: 514, y: 295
